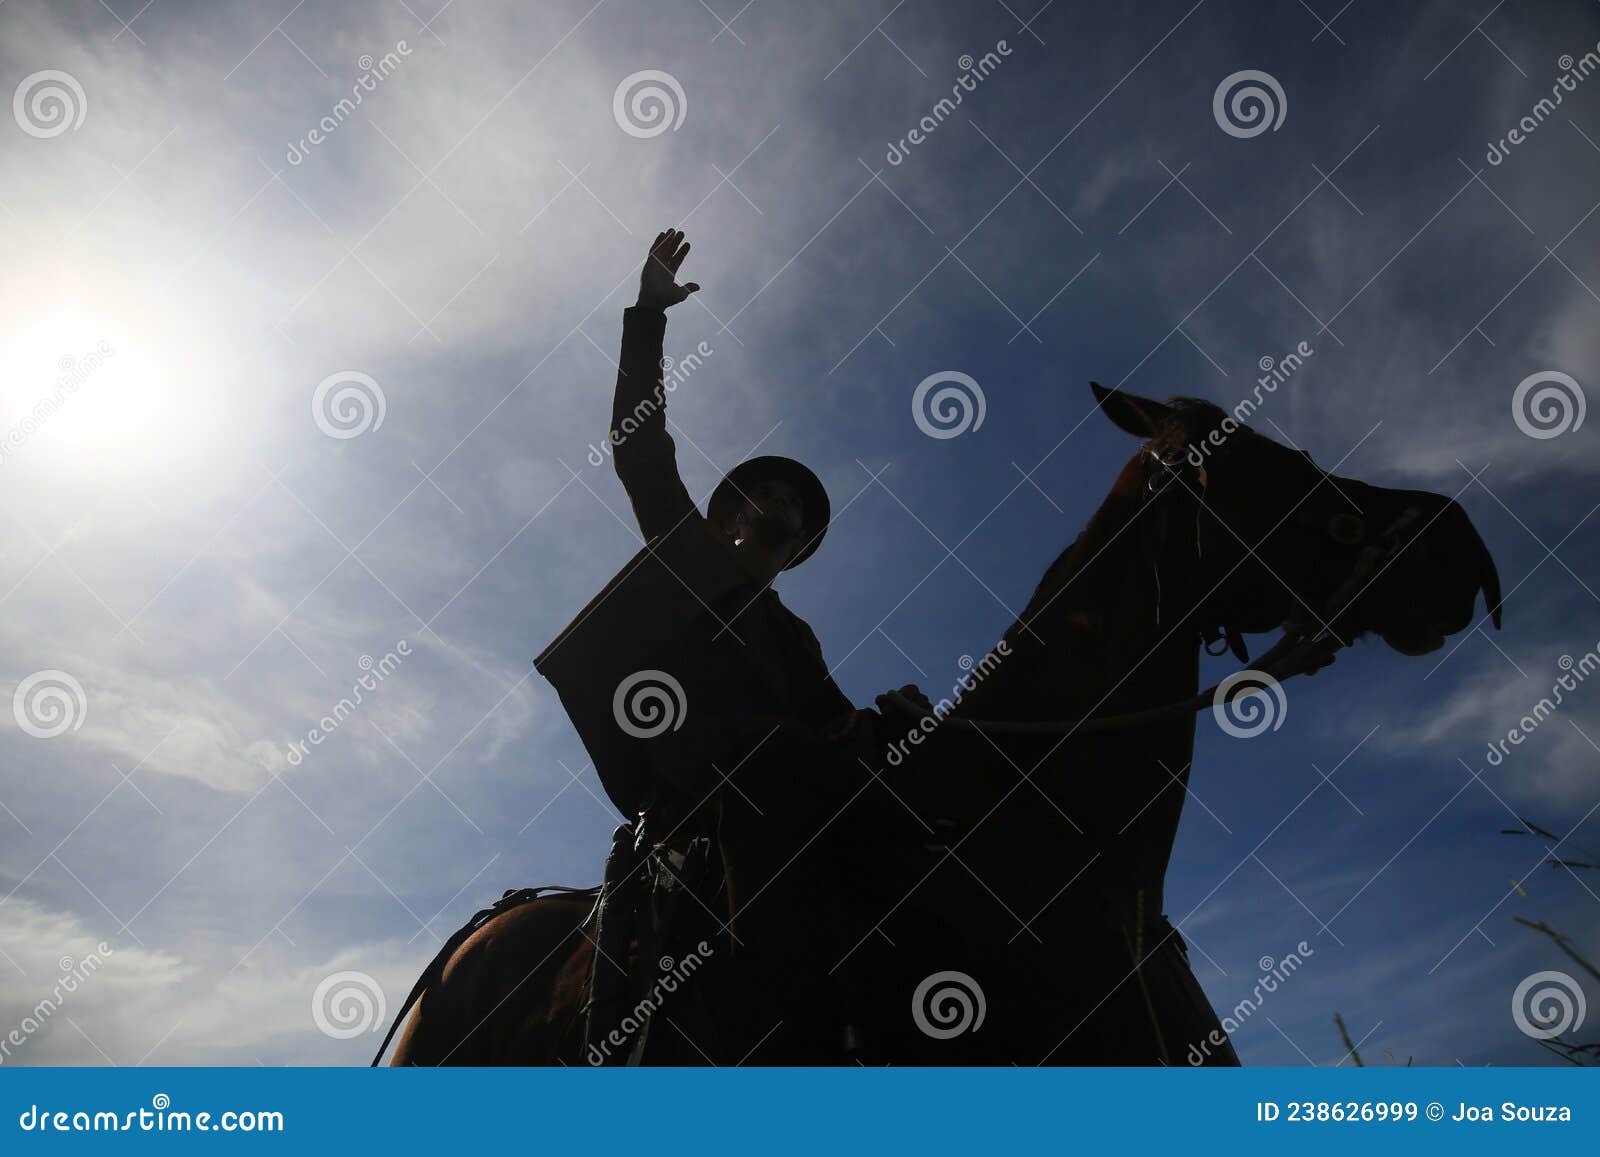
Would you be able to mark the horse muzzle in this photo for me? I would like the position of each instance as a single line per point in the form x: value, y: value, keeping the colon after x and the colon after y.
x: 1430, y: 565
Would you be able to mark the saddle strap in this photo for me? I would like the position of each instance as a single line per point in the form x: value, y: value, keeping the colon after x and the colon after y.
x: 616, y: 925
x: 513, y: 898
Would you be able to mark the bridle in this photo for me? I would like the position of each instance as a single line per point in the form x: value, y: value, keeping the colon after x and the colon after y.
x: 1309, y: 641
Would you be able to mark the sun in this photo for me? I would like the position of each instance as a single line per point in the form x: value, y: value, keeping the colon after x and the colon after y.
x: 89, y: 382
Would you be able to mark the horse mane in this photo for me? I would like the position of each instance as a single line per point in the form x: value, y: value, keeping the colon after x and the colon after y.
x: 1186, y: 415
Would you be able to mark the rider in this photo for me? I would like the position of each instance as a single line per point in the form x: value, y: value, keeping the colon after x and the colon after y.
x: 761, y: 701
x: 760, y: 663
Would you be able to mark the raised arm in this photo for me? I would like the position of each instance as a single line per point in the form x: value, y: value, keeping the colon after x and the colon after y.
x: 643, y: 452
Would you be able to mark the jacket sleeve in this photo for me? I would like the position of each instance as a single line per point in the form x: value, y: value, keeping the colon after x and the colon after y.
x: 833, y: 701
x: 643, y: 453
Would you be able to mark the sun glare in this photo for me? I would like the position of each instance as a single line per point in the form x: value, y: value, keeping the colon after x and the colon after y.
x: 109, y: 384
x: 98, y: 385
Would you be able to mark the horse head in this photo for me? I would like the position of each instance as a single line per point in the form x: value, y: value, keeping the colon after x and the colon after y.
x: 1269, y: 537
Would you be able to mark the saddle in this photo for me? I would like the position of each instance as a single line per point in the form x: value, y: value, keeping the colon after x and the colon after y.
x: 643, y: 944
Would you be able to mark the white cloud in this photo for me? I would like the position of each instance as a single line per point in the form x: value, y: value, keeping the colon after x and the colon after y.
x: 133, y: 1005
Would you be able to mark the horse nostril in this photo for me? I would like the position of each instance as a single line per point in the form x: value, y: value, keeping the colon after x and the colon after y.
x: 1346, y: 529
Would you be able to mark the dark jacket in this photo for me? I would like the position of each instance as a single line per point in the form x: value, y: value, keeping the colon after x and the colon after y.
x: 768, y: 661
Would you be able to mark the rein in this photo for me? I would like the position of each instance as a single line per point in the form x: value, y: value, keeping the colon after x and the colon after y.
x: 1301, y: 651
x: 1290, y: 656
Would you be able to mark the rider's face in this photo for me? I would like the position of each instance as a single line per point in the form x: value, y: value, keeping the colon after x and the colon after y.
x: 772, y: 517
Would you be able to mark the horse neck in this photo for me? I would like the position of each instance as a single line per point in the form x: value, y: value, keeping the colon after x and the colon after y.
x: 1097, y: 638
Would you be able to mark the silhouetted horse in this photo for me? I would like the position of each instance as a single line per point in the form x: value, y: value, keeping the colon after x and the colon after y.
x: 1024, y: 924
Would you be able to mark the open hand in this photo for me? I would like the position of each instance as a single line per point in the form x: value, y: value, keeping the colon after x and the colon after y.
x: 658, y: 283
x: 911, y: 692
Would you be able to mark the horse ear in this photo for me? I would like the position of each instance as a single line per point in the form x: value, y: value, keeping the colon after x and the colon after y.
x: 1138, y: 416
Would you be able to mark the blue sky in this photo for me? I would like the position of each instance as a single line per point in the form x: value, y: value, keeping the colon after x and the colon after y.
x: 185, y: 542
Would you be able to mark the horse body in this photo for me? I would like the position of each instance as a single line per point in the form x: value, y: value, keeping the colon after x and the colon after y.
x: 1063, y: 841
x: 1045, y: 855
x: 512, y: 992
